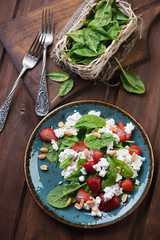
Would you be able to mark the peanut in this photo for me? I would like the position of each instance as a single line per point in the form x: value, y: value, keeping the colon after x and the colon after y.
x: 44, y: 167
x: 106, y: 119
x: 68, y: 201
x: 77, y: 206
x: 133, y: 157
x: 94, y: 209
x: 124, y: 198
x: 118, y: 169
x: 81, y: 203
x: 97, y: 134
x: 114, y: 128
x: 67, y: 133
x: 113, y: 153
x: 90, y: 202
x: 61, y: 124
x: 44, y: 150
x: 42, y: 156
x: 86, y: 152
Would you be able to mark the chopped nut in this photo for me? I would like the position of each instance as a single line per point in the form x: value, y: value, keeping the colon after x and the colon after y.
x: 124, y: 198
x: 68, y: 201
x: 86, y: 152
x: 81, y: 202
x: 133, y: 157
x: 44, y: 167
x: 94, y: 209
x: 61, y: 124
x: 90, y: 202
x: 42, y: 156
x: 113, y: 153
x: 118, y: 169
x: 44, y: 150
x: 106, y: 119
x: 77, y: 206
x: 67, y: 133
x: 97, y: 134
x: 114, y: 128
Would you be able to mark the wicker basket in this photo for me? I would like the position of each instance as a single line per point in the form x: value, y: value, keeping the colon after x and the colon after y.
x: 103, y: 67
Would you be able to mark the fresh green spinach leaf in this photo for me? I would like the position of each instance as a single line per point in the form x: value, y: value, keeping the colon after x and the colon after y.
x: 126, y: 170
x: 77, y: 36
x: 90, y: 39
x: 97, y: 143
x: 66, y: 163
x: 111, y: 175
x: 69, y: 141
x: 89, y: 121
x: 58, y: 197
x: 84, y: 51
x: 58, y: 76
x: 51, y: 155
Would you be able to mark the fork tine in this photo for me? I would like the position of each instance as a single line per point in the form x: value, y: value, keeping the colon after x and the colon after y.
x: 48, y: 31
x: 42, y: 22
x: 34, y: 41
x: 52, y: 22
x: 45, y: 22
x: 40, y: 46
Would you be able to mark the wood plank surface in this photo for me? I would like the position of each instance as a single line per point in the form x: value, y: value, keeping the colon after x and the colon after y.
x: 20, y: 217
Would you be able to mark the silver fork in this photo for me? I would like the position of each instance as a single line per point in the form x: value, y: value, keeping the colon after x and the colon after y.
x: 42, y: 104
x: 29, y: 61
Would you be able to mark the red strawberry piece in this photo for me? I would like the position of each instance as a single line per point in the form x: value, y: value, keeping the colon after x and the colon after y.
x: 127, y: 185
x: 111, y: 204
x: 79, y: 147
x: 94, y: 185
x: 97, y: 155
x: 128, y: 135
x: 135, y: 147
x: 121, y: 134
x: 89, y: 166
x: 82, y: 194
x: 48, y: 135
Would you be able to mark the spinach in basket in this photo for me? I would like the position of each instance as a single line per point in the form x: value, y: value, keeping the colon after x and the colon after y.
x: 102, y: 26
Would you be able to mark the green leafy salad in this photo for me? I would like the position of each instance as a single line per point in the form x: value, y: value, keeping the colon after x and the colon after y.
x: 101, y: 27
x: 98, y: 160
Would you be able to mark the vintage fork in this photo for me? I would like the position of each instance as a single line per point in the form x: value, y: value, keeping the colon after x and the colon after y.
x: 29, y: 61
x: 42, y: 104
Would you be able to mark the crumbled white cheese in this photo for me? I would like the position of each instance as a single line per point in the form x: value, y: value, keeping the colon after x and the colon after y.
x: 92, y: 112
x: 137, y: 182
x: 66, y: 154
x: 60, y: 183
x: 124, y: 155
x: 72, y: 119
x: 96, y: 214
x: 101, y: 167
x: 83, y: 171
x: 119, y: 177
x: 59, y: 132
x: 111, y: 191
x: 97, y: 201
x: 129, y: 128
x: 86, y: 206
x: 81, y: 178
x: 66, y: 172
x: 54, y: 145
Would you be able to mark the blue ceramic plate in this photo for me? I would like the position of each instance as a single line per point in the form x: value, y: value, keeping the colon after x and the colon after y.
x: 40, y: 182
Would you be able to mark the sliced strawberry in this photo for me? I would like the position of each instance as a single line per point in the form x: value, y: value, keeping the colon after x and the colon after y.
x: 97, y: 155
x: 127, y: 185
x: 79, y: 147
x: 94, y: 185
x: 102, y: 204
x: 121, y: 125
x: 48, y: 135
x: 135, y: 147
x: 111, y: 204
x: 128, y: 135
x: 82, y: 194
x: 121, y: 134
x: 89, y: 166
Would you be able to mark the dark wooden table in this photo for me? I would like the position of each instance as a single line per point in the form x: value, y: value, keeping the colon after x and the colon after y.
x: 20, y: 216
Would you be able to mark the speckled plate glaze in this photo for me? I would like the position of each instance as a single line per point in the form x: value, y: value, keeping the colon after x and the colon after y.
x: 40, y: 183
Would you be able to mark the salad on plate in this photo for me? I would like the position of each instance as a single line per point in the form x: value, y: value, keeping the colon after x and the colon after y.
x: 98, y: 160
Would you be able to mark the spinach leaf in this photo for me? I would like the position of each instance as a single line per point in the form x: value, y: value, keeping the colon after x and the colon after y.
x: 77, y: 36
x: 51, y: 155
x: 58, y: 197
x: 90, y: 39
x: 69, y: 141
x: 102, y: 16
x: 84, y: 51
x: 74, y: 176
x: 80, y: 163
x: 120, y: 17
x: 81, y: 134
x: 87, y: 60
x: 58, y: 76
x: 90, y: 121
x: 111, y: 175
x: 97, y: 143
x: 126, y: 170
x: 66, y: 163
x: 113, y: 30
x: 131, y: 82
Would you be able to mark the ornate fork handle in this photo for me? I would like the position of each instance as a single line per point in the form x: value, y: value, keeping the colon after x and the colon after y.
x: 6, y: 105
x: 42, y: 104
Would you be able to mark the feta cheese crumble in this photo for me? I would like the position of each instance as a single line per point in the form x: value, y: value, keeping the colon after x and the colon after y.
x: 92, y: 112
x: 129, y: 128
x: 101, y: 167
x: 111, y: 191
x: 81, y: 178
x: 54, y: 145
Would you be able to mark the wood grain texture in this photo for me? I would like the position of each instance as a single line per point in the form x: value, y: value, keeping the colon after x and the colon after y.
x: 20, y: 217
